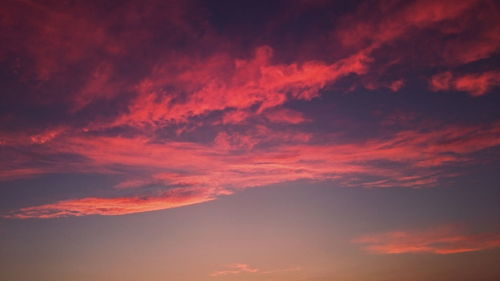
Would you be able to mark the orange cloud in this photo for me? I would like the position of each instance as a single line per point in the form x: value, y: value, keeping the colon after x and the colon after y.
x: 441, y: 240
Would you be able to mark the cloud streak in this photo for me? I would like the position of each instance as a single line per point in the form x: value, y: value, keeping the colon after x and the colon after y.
x: 242, y: 268
x: 476, y: 84
x: 441, y: 240
x: 407, y: 159
x: 172, y: 198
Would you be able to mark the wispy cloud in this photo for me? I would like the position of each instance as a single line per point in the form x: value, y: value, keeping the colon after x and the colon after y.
x: 217, y: 168
x: 115, y: 206
x: 476, y: 84
x: 439, y: 240
x: 241, y: 268
x: 221, y: 83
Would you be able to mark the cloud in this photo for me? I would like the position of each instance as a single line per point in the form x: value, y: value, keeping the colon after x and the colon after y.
x: 380, y: 24
x: 476, y: 84
x: 441, y: 240
x: 284, y: 115
x: 186, y: 105
x: 52, y: 38
x: 236, y: 268
x: 441, y: 81
x: 75, y: 47
x: 396, y: 85
x: 411, y: 158
x: 98, y: 86
x: 221, y: 83
x: 401, y: 36
x: 172, y: 198
x: 480, y: 36
x: 241, y: 268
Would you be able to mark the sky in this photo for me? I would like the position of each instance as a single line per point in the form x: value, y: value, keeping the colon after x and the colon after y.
x: 223, y: 140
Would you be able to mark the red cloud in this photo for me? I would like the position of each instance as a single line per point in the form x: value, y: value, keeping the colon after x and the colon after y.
x: 441, y: 81
x: 115, y: 206
x: 397, y: 85
x: 396, y: 19
x: 454, y: 32
x: 221, y: 83
x: 234, y: 97
x: 72, y: 45
x: 482, y: 43
x: 284, y: 115
x: 236, y: 116
x: 237, y: 161
x: 476, y: 84
x: 55, y: 37
x: 98, y: 86
x: 441, y: 240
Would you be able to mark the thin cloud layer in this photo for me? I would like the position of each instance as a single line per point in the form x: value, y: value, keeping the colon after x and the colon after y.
x: 242, y: 268
x: 442, y: 240
x: 172, y: 198
x: 237, y: 268
x: 407, y: 159
x: 476, y: 84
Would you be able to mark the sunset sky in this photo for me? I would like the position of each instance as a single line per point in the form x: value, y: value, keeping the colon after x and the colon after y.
x: 228, y: 140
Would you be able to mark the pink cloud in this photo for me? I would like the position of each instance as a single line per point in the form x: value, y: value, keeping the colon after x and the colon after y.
x: 236, y: 116
x: 241, y: 268
x: 56, y: 42
x: 56, y: 38
x: 242, y: 96
x: 441, y: 81
x: 234, y: 162
x: 234, y: 269
x: 484, y: 42
x: 441, y: 240
x: 455, y: 33
x: 396, y: 85
x: 172, y: 198
x: 220, y: 83
x: 393, y: 20
x: 284, y: 115
x: 99, y: 85
x: 476, y: 84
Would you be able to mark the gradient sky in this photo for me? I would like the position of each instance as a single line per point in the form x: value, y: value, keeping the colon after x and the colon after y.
x: 299, y: 140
